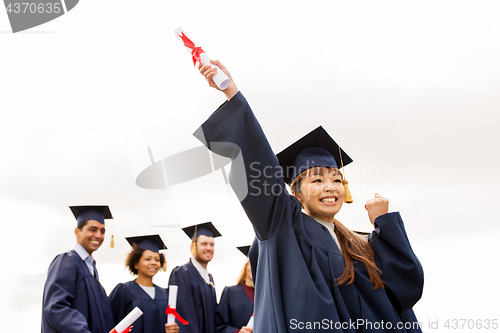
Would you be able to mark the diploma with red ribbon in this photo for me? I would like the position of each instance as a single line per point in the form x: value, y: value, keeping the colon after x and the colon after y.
x: 171, y: 311
x: 220, y: 79
x: 124, y: 326
x: 250, y: 322
x: 172, y: 304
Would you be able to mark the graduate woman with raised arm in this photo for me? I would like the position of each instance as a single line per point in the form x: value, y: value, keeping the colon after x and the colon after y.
x: 144, y: 261
x: 236, y: 302
x: 313, y: 273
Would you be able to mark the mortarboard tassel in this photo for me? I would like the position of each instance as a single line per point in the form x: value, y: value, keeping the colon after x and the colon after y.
x: 165, y: 266
x: 112, y: 245
x: 348, y: 197
x: 193, y: 247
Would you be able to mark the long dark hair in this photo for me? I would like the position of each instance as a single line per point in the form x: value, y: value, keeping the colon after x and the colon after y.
x: 353, y: 246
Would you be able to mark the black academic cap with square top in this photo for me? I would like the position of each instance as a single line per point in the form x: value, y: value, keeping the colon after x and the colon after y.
x: 316, y: 149
x: 244, y: 249
x: 205, y: 229
x: 150, y: 242
x: 96, y: 213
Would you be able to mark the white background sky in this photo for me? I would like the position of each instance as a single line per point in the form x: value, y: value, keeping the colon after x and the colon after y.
x: 410, y: 90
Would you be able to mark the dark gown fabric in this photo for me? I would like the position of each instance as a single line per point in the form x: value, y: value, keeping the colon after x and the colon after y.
x: 234, y: 310
x: 73, y: 299
x: 126, y: 296
x: 196, y: 299
x: 298, y: 261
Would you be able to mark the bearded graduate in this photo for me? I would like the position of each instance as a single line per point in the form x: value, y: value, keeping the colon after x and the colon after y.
x: 312, y: 272
x: 196, y: 296
x: 144, y: 261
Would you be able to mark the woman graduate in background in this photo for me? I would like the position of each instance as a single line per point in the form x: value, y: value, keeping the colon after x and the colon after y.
x: 312, y: 273
x: 236, y: 303
x: 144, y: 261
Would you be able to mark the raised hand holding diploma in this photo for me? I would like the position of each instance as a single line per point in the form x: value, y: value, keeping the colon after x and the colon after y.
x: 220, y: 78
x: 208, y: 72
x: 124, y: 326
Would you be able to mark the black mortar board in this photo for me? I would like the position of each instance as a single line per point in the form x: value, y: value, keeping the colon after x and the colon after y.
x: 151, y: 242
x: 314, y: 149
x: 244, y: 249
x: 97, y: 213
x: 205, y: 229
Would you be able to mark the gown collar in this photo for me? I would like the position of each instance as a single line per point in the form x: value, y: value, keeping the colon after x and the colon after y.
x: 203, y: 272
x: 331, y: 229
x: 82, y: 252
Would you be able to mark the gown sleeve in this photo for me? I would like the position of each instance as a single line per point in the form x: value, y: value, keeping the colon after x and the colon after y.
x: 118, y: 302
x: 59, y: 293
x: 402, y: 272
x: 234, y: 132
x: 222, y: 316
x: 185, y: 302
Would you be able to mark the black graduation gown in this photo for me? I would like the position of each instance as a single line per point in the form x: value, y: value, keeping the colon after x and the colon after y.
x: 126, y: 296
x: 234, y: 310
x: 196, y: 299
x: 298, y: 261
x: 73, y: 299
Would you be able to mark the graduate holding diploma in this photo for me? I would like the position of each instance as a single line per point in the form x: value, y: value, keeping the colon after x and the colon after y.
x: 144, y: 261
x: 313, y: 273
x: 73, y: 299
x: 196, y: 300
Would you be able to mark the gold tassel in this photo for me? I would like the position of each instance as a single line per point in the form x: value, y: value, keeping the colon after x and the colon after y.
x: 165, y: 266
x: 112, y: 245
x: 193, y: 247
x: 348, y: 196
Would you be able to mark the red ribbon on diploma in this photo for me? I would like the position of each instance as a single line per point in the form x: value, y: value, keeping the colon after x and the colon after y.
x: 196, y: 51
x: 126, y: 331
x: 170, y: 310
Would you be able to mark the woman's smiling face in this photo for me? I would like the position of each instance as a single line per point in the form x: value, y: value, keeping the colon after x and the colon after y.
x: 321, y: 192
x: 149, y: 264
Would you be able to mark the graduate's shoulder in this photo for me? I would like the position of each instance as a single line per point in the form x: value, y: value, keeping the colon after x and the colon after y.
x: 122, y: 286
x: 65, y: 260
x: 232, y: 289
x: 182, y: 269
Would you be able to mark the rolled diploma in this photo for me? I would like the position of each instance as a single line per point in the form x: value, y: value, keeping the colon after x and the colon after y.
x: 250, y: 322
x: 128, y: 320
x: 220, y: 79
x: 172, y: 302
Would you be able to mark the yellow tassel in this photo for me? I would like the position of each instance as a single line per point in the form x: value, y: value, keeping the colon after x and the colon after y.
x: 165, y: 266
x: 112, y: 241
x: 348, y: 196
x: 193, y: 249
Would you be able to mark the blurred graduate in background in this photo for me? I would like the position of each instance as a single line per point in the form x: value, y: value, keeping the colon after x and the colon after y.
x: 196, y: 298
x: 236, y: 303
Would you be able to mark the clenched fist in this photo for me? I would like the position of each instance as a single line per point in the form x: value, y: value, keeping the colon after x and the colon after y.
x: 376, y: 207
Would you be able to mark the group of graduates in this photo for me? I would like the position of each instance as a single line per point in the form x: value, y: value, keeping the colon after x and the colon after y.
x: 311, y: 272
x: 75, y: 301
